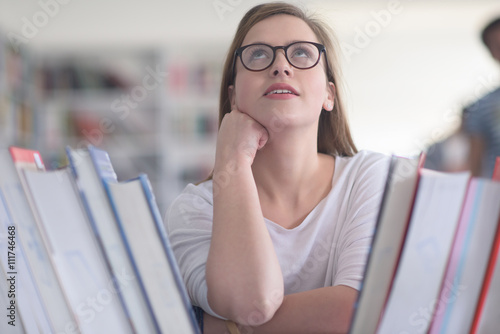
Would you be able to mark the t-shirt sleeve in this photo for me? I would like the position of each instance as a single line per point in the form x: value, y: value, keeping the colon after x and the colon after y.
x: 363, y: 205
x: 189, y: 227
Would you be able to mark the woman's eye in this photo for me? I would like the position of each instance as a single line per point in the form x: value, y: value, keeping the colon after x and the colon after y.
x: 259, y: 54
x: 300, y: 53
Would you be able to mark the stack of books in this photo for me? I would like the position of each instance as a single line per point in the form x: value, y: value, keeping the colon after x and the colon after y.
x: 434, y: 264
x: 83, y: 252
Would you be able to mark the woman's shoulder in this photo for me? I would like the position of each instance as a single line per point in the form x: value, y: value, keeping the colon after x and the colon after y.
x: 364, y: 169
x: 361, y: 178
x: 193, y: 200
x: 364, y: 160
x: 202, y: 189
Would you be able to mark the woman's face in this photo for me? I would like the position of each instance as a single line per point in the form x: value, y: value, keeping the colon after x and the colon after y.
x: 311, y: 91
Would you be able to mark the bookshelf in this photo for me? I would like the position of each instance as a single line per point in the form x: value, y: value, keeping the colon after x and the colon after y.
x: 18, y: 95
x: 107, y: 98
x: 191, y: 122
x: 154, y: 111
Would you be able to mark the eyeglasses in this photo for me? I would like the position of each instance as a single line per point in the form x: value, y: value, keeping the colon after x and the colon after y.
x: 258, y: 57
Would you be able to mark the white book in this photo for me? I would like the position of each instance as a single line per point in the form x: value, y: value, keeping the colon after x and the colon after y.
x: 148, y: 247
x: 89, y: 173
x: 76, y: 254
x: 422, y: 265
x: 387, y: 242
x: 469, y: 258
x: 24, y: 306
x: 487, y: 317
x: 35, y: 251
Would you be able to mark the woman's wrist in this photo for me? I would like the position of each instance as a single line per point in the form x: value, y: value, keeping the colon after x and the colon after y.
x: 232, y: 163
x: 226, y: 172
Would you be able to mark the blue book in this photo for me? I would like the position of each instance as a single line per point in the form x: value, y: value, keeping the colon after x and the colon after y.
x: 89, y: 171
x: 141, y: 227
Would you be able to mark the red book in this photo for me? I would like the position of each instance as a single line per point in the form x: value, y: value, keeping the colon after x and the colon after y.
x: 487, y: 316
x: 25, y: 158
x: 496, y: 171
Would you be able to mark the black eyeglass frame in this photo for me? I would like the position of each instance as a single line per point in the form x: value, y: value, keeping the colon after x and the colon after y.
x: 321, y: 48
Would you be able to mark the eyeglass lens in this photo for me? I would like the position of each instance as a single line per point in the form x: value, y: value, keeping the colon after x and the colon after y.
x: 301, y: 55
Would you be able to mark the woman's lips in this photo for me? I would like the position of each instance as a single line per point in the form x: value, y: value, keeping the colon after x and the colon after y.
x: 279, y: 89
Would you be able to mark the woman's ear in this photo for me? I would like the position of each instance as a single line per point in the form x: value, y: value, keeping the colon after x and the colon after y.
x: 232, y: 96
x: 330, y: 97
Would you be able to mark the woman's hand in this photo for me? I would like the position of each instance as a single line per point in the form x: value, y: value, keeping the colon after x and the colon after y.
x: 244, y: 279
x: 239, y: 138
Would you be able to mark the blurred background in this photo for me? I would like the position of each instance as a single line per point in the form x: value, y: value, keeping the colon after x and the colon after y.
x: 141, y: 78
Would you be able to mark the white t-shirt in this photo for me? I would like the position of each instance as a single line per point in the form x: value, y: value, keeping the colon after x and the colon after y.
x: 328, y: 248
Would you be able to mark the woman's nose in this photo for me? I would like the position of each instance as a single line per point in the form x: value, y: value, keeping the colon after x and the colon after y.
x: 281, y: 65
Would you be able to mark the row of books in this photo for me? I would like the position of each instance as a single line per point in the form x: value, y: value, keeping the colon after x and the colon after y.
x: 83, y: 252
x: 434, y: 264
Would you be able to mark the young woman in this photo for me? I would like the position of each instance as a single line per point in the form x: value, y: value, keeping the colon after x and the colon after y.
x: 276, y: 240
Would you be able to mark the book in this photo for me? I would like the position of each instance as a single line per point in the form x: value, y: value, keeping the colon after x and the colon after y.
x: 148, y: 247
x: 84, y: 276
x: 26, y: 158
x: 24, y: 306
x: 386, y: 246
x: 468, y: 262
x: 28, y: 234
x: 496, y: 170
x: 487, y: 314
x: 427, y: 245
x: 89, y: 171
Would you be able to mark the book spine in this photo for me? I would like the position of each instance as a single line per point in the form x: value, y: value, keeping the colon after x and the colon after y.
x: 129, y: 252
x: 492, y: 266
x: 73, y: 164
x: 496, y: 171
x: 148, y: 192
x: 457, y: 257
x: 102, y: 164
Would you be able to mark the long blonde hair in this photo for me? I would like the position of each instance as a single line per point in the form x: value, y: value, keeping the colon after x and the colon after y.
x: 334, y: 136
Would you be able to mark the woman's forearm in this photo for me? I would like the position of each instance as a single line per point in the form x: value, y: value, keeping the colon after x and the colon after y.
x: 244, y: 278
x: 323, y: 310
